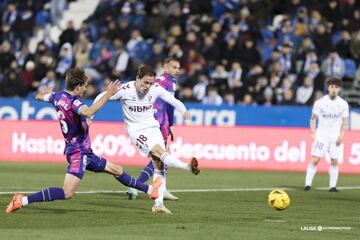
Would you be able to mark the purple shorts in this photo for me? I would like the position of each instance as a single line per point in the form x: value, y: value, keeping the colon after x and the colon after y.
x: 79, y: 162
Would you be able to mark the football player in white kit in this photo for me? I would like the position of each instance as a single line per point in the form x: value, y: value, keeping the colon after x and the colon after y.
x: 332, y: 113
x: 137, y: 99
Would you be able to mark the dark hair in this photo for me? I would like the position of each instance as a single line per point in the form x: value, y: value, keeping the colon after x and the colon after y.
x: 74, y: 77
x: 170, y: 59
x: 145, y: 70
x: 334, y: 81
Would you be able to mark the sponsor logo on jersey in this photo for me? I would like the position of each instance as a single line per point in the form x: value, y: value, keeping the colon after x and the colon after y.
x: 139, y: 108
x: 332, y: 115
x: 77, y: 103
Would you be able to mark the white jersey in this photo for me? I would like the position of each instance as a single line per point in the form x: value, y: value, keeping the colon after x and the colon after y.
x: 138, y: 111
x: 330, y: 114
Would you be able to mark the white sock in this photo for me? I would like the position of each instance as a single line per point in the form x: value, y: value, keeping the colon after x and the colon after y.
x: 24, y: 201
x: 333, y: 174
x: 310, y: 173
x: 150, y: 189
x: 160, y: 200
x: 171, y: 161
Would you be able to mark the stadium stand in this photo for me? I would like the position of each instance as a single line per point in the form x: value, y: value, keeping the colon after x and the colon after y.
x: 278, y: 46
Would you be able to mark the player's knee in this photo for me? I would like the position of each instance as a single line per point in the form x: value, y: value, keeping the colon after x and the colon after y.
x: 334, y: 162
x: 315, y: 160
x: 157, y: 151
x: 118, y: 170
x: 69, y: 193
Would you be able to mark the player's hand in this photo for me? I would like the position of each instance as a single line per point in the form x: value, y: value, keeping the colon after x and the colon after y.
x: 46, y: 90
x: 171, y: 133
x: 113, y: 87
x: 43, y: 91
x: 339, y: 141
x: 187, y: 115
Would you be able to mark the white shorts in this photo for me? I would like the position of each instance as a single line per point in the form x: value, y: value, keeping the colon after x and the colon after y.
x: 146, y: 139
x: 322, y: 146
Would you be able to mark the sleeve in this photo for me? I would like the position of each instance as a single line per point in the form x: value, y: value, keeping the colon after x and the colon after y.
x: 76, y: 105
x: 316, y: 108
x: 345, y: 113
x: 167, y: 97
x: 49, y: 97
x: 116, y: 96
x: 170, y: 112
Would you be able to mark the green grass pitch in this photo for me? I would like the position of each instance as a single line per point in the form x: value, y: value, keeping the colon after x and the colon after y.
x: 239, y: 214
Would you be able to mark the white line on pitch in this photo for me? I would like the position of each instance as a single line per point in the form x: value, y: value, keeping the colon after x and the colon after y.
x: 199, y: 190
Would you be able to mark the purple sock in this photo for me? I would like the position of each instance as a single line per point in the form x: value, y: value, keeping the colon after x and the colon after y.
x: 146, y: 173
x: 47, y: 195
x: 129, y: 181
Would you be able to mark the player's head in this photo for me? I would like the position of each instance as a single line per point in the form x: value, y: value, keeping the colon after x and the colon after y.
x: 172, y: 66
x: 334, y: 87
x: 145, y: 78
x: 76, y: 81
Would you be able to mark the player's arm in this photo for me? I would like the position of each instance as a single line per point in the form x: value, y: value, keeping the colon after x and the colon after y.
x: 313, y: 119
x: 170, y: 114
x: 167, y: 97
x: 44, y: 94
x: 344, y: 127
x: 111, y: 89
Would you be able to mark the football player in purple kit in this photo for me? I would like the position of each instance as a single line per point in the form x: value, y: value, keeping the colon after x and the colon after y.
x: 164, y: 114
x: 74, y: 121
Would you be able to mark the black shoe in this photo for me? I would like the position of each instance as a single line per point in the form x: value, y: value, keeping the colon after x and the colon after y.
x: 333, y: 189
x: 307, y: 188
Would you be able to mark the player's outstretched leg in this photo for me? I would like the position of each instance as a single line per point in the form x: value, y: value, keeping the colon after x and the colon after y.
x: 46, y: 195
x: 145, y: 175
x: 172, y: 161
x: 151, y: 190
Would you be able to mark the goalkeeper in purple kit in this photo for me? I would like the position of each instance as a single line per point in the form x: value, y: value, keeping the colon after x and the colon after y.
x: 164, y: 114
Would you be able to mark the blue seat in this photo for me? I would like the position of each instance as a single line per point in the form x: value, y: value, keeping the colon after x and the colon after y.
x: 350, y: 68
x: 335, y: 37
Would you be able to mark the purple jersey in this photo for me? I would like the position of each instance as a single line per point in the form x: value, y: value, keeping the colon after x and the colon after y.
x: 74, y: 126
x: 164, y: 112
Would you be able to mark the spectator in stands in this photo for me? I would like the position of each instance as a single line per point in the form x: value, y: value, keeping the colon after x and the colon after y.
x: 65, y: 60
x: 82, y: 51
x: 322, y: 41
x: 355, y: 45
x: 186, y: 95
x: 199, y: 90
x: 50, y: 81
x: 121, y: 61
x: 219, y: 77
x: 317, y: 76
x: 69, y: 35
x: 333, y: 65
x: 229, y: 98
x: 305, y: 93
x: 343, y: 46
x: 28, y: 77
x: 212, y: 97
x: 6, y: 56
x: 12, y: 86
x: 288, y: 97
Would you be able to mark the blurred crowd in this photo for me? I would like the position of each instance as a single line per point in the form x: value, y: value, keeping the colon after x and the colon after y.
x: 235, y: 52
